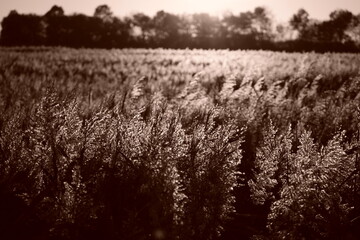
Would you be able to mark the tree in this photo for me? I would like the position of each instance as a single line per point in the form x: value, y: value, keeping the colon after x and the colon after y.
x: 21, y: 29
x: 206, y: 29
x: 56, y: 26
x: 142, y: 27
x: 300, y: 22
x: 283, y: 32
x: 185, y: 31
x: 241, y: 24
x: 205, y: 25
x: 166, y: 27
x: 245, y: 29
x: 332, y: 30
x: 104, y: 13
x: 340, y: 22
x: 261, y: 22
x: 55, y: 11
x: 353, y: 31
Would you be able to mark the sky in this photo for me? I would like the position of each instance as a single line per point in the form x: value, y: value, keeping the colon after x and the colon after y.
x: 281, y: 10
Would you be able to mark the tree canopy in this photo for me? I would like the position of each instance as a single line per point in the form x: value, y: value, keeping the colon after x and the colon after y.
x: 245, y: 30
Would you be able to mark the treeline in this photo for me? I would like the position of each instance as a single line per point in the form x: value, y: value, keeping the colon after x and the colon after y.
x: 246, y: 30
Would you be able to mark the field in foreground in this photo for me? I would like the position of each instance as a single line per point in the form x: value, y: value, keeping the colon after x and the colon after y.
x: 167, y: 144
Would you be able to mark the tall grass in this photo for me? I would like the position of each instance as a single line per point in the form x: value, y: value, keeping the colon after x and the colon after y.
x: 116, y: 145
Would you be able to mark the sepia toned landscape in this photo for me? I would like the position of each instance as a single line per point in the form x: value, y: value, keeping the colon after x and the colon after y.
x: 128, y: 132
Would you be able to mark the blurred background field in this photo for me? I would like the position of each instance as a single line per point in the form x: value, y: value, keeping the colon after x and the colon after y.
x: 168, y: 71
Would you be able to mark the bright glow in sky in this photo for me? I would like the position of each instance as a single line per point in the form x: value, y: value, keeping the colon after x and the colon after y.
x: 280, y: 9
